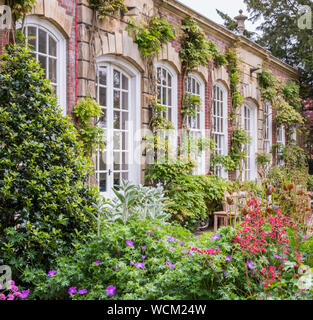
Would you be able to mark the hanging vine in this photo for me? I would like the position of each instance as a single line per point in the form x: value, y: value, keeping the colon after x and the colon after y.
x: 285, y: 100
x: 107, y: 7
x: 151, y: 36
x: 234, y: 79
x: 196, y: 51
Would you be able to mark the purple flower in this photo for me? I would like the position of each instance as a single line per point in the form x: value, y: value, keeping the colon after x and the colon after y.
x: 143, y: 257
x: 10, y: 297
x: 2, y: 296
x: 171, y: 248
x: 215, y: 236
x: 250, y: 264
x: 156, y: 227
x: 186, y: 255
x: 227, y: 258
x: 149, y: 233
x: 116, y: 268
x: 129, y: 243
x: 139, y: 265
x: 111, y: 291
x: 14, y: 288
x: 277, y: 256
x: 171, y: 239
x: 51, y: 273
x: 97, y: 262
x: 82, y: 291
x: 143, y: 248
x: 131, y: 263
x: 170, y: 264
x: 11, y: 282
x: 24, y: 294
x: 225, y: 274
x: 72, y: 290
x: 185, y: 251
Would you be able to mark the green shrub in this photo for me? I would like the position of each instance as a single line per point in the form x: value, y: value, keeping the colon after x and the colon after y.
x: 45, y: 204
x: 151, y: 247
x: 310, y: 183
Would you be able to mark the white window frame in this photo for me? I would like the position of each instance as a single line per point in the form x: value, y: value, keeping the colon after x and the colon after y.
x: 254, y: 135
x: 280, y: 142
x: 225, y: 121
x: 201, y: 168
x: 165, y: 65
x: 134, y: 130
x: 268, y: 123
x: 61, y: 55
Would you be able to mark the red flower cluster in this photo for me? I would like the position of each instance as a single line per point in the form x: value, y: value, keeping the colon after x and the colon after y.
x: 252, y: 237
x: 207, y: 251
x: 270, y: 275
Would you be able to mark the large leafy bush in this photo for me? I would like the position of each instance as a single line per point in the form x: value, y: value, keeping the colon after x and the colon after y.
x: 192, y: 199
x: 45, y: 204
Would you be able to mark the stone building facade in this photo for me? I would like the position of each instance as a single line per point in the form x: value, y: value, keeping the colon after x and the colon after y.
x: 107, y: 65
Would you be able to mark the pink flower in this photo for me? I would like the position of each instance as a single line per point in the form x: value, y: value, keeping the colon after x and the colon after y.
x: 14, y: 288
x: 2, y: 296
x: 10, y: 297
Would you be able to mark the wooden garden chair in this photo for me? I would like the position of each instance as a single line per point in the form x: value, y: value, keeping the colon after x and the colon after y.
x: 232, y: 206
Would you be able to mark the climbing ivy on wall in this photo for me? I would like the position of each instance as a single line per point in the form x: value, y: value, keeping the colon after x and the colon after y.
x: 284, y: 97
x: 196, y: 50
x: 107, y: 7
x: 234, y: 78
x: 151, y: 36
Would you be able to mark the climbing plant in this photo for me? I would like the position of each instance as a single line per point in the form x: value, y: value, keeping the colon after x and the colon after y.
x: 86, y: 111
x: 233, y: 161
x: 285, y: 100
x: 107, y: 7
x: 234, y: 78
x: 151, y: 35
x: 196, y: 50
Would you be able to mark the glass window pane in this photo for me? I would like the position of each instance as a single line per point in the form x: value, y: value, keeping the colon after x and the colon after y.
x: 43, y: 62
x: 117, y: 99
x: 116, y: 79
x: 42, y: 44
x: 125, y: 83
x: 103, y: 96
x: 52, y: 47
x: 53, y: 70
x: 31, y: 36
x: 125, y: 100
x: 102, y: 161
x: 103, y: 182
x: 117, y: 123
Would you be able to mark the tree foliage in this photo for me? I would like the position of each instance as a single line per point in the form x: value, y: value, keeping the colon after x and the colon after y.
x: 44, y: 201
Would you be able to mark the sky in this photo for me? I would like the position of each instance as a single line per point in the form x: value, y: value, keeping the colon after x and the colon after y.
x: 208, y: 8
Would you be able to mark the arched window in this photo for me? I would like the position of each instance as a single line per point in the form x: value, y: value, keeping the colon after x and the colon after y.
x: 249, y: 124
x: 280, y: 140
x: 220, y: 124
x: 49, y: 48
x: 196, y: 124
x: 167, y: 91
x: 166, y: 79
x: 267, y: 133
x: 118, y: 93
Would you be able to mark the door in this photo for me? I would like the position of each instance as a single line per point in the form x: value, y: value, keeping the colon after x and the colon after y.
x: 114, y: 97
